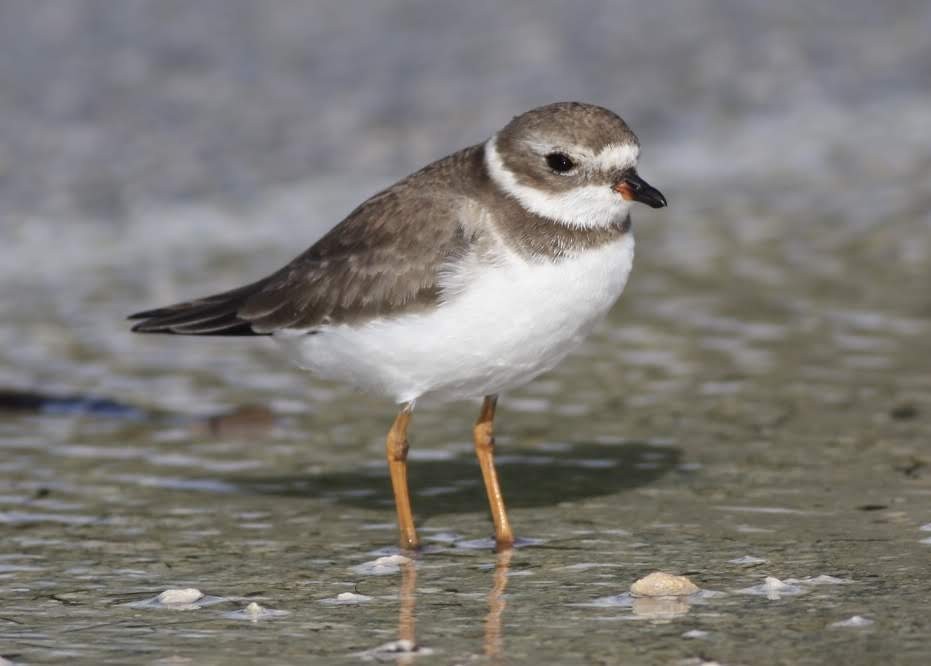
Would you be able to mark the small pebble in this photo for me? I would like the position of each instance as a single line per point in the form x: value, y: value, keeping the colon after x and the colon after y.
x: 772, y: 588
x: 747, y: 561
x: 390, y: 564
x: 819, y: 580
x: 346, y: 598
x: 255, y: 612
x: 659, y: 584
x: 183, y: 599
x: 855, y: 621
x: 401, y: 647
x: 695, y: 633
x: 186, y: 595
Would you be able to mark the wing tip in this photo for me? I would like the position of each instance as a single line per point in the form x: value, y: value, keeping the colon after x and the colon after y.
x: 145, y: 314
x: 222, y: 326
x: 148, y: 326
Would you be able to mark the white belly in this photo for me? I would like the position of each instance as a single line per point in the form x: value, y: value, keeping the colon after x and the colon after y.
x: 499, y: 328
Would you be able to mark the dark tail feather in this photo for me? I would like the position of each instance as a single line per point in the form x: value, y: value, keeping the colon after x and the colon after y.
x: 214, y: 315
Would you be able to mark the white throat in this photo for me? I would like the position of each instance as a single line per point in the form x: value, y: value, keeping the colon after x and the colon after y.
x: 585, y: 207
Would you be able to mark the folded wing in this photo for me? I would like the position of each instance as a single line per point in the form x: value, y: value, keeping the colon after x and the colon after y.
x: 384, y: 259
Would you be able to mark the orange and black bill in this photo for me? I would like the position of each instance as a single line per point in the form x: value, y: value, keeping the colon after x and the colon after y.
x: 634, y: 188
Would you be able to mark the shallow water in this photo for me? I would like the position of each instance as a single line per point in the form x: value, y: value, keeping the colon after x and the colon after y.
x: 757, y: 405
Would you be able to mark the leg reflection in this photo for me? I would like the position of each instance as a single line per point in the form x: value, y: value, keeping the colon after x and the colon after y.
x: 406, y: 647
x: 408, y: 595
x: 496, y: 604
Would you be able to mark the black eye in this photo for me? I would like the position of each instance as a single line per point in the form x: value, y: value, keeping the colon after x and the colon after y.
x: 559, y: 162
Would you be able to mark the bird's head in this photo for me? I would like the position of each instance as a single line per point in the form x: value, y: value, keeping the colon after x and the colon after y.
x: 572, y: 163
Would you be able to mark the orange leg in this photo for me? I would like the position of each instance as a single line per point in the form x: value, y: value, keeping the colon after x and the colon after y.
x: 483, y: 433
x: 396, y: 447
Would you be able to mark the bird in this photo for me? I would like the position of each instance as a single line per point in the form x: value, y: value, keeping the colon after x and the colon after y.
x: 463, y: 280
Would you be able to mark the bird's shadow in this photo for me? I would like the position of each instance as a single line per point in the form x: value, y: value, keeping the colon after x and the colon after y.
x: 530, y: 477
x: 449, y: 483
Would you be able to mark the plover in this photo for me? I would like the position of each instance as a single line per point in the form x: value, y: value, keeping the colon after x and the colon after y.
x: 465, y: 279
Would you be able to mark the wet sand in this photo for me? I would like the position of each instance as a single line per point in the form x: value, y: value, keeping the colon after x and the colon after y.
x: 755, y: 414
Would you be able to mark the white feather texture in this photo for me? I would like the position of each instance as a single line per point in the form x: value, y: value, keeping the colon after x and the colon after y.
x: 617, y: 157
x: 501, y: 325
x: 586, y: 207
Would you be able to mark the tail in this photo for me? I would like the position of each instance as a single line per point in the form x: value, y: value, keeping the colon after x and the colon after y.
x: 214, y: 315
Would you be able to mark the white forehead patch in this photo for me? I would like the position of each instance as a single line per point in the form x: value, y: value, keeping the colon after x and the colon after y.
x: 617, y: 156
x: 584, y: 207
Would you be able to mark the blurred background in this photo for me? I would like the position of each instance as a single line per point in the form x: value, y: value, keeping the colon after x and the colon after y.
x: 774, y: 336
x: 152, y: 151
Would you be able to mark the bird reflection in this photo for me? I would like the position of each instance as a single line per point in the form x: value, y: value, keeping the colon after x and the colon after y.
x: 493, y: 642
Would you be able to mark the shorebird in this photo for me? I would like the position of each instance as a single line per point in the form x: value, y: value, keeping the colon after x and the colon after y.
x: 465, y: 279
